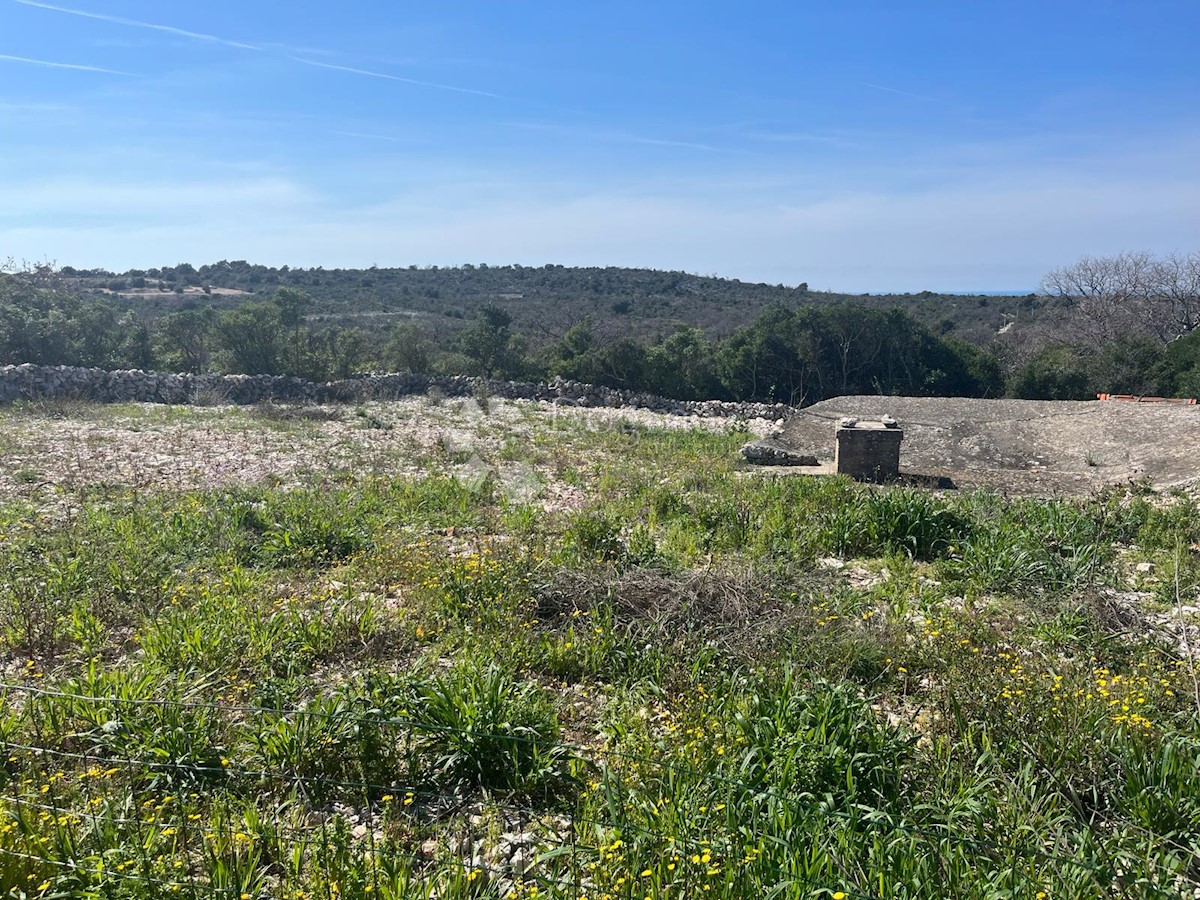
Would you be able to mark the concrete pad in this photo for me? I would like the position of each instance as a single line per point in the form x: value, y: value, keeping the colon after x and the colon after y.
x: 1028, y: 447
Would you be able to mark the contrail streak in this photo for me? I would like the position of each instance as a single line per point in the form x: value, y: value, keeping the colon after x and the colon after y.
x: 242, y: 45
x: 878, y: 87
x: 617, y: 136
x: 376, y: 137
x: 386, y: 77
x: 58, y: 65
x: 135, y: 23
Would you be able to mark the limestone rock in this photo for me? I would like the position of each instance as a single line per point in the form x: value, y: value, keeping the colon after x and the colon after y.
x: 770, y: 453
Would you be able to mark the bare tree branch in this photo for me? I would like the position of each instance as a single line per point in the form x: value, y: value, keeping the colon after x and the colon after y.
x: 1131, y: 293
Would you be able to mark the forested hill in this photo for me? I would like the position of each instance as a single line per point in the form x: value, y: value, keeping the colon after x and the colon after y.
x: 669, y: 333
x: 544, y: 302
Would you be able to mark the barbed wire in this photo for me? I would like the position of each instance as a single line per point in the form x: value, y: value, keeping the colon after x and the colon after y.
x: 176, y: 827
x: 207, y: 828
x: 583, y: 754
x: 876, y: 819
x: 73, y: 866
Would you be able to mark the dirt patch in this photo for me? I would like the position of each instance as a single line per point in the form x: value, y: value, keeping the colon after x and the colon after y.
x: 1029, y: 447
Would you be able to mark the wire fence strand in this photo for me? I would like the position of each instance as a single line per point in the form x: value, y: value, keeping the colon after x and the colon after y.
x: 417, y: 799
x: 582, y: 754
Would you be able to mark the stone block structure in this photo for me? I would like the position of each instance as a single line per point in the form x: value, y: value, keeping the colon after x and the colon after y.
x: 868, y: 451
x: 30, y: 382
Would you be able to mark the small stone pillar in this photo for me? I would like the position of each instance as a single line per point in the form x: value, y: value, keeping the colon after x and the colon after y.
x: 868, y: 451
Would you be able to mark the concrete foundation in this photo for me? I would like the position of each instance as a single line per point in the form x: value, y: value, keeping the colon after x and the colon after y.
x: 868, y: 451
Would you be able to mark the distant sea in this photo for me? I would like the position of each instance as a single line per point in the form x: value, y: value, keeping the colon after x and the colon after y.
x: 970, y: 293
x: 1014, y: 293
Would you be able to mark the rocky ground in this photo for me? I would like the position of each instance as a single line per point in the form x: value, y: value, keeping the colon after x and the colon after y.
x: 53, y: 451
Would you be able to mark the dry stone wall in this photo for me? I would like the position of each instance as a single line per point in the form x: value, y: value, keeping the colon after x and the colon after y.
x: 30, y: 382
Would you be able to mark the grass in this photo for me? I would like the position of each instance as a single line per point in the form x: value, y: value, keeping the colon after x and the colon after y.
x: 380, y: 685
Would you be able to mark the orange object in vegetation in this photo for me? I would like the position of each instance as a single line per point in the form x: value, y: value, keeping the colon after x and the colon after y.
x: 1134, y: 398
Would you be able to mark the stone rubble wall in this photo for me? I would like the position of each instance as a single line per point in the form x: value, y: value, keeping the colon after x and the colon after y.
x: 30, y: 382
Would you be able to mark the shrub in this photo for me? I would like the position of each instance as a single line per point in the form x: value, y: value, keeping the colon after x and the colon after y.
x: 816, y: 740
x: 327, y: 746
x: 477, y: 725
x: 593, y: 537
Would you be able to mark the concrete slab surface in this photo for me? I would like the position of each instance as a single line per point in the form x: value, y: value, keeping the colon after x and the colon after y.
x: 1030, y: 447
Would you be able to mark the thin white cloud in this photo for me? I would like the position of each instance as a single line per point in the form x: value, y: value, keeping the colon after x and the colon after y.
x: 61, y: 65
x: 38, y: 108
x: 803, y: 137
x: 892, y: 90
x: 258, y: 48
x: 135, y: 23
x: 663, y: 142
x: 366, y: 135
x: 619, y: 137
x: 158, y: 200
x: 854, y: 240
x: 386, y: 77
x: 999, y: 223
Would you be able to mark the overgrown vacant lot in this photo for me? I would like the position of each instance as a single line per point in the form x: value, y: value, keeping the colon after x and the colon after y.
x: 470, y: 649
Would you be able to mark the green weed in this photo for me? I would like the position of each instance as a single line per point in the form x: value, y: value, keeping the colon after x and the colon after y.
x: 369, y: 686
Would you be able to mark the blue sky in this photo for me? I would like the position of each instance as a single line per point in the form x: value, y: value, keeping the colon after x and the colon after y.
x: 860, y: 146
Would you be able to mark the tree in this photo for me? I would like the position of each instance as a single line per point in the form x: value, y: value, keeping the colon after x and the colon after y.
x: 813, y: 353
x: 94, y: 335
x: 578, y: 341
x: 1057, y: 373
x: 621, y: 364
x: 852, y: 338
x: 408, y: 350
x: 1178, y: 371
x: 47, y: 326
x: 980, y: 371
x: 333, y: 353
x: 250, y: 338
x: 489, y: 343
x: 777, y: 358
x: 1128, y: 366
x: 186, y: 339
x: 291, y: 304
x: 34, y: 322
x: 570, y: 357
x: 1130, y: 293
x: 1178, y: 280
x: 684, y: 366
x: 137, y: 348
